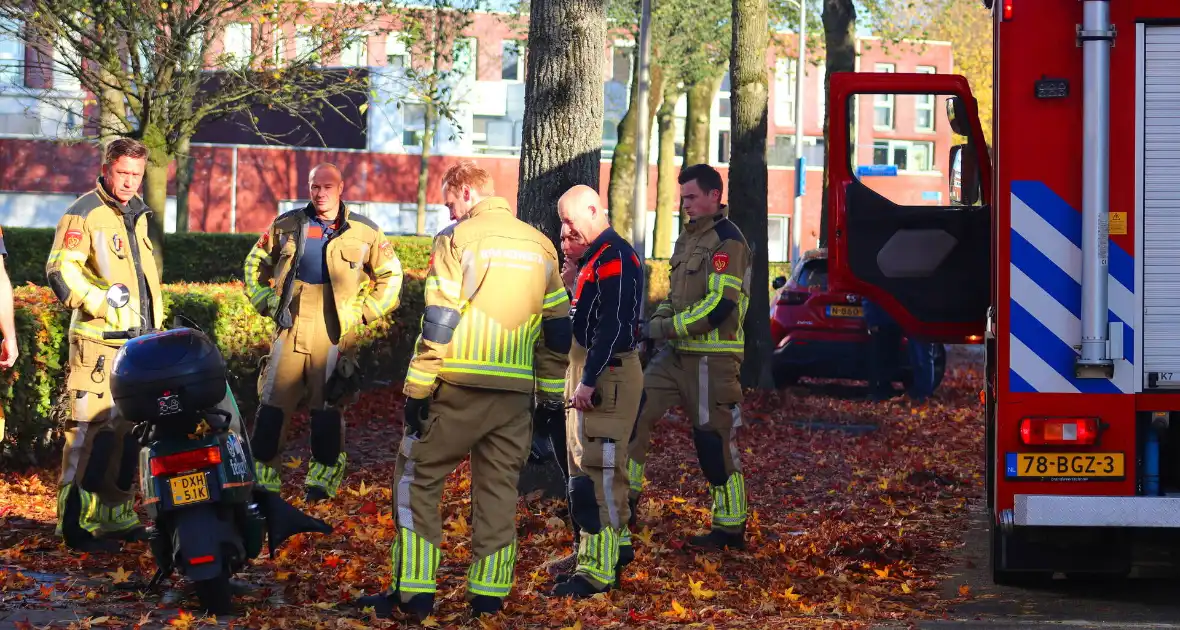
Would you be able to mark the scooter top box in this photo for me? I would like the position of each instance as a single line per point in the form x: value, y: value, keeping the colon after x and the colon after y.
x: 173, y: 373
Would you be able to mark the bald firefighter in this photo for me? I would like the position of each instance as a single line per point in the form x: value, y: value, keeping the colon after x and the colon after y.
x: 495, y: 332
x: 698, y: 367
x: 322, y: 272
x: 604, y: 384
x: 102, y: 240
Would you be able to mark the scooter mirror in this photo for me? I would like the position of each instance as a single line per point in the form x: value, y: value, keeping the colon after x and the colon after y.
x: 118, y: 296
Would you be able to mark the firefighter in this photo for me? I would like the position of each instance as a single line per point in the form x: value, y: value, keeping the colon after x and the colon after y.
x: 322, y: 272
x: 884, y: 346
x: 698, y: 366
x: 102, y: 240
x: 8, y: 348
x: 495, y: 332
x: 604, y: 383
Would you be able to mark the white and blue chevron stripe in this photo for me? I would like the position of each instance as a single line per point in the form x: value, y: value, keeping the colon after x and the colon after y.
x: 1046, y: 297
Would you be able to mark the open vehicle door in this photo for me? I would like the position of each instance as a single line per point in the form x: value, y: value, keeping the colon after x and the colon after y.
x: 911, y: 229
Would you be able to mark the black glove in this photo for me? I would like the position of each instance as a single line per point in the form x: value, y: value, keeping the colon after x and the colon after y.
x: 416, y: 410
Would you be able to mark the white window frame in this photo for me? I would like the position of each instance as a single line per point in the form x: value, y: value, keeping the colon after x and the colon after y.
x: 12, y: 56
x: 784, y: 90
x: 407, y: 127
x: 778, y: 254
x: 395, y: 46
x: 304, y: 34
x: 924, y: 102
x: 350, y: 57
x: 520, y: 46
x: 908, y: 145
x: 231, y: 41
x: 63, y: 80
x: 616, y: 47
x: 884, y: 100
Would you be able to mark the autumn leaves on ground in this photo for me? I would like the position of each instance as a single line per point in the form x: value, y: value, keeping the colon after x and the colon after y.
x: 848, y: 526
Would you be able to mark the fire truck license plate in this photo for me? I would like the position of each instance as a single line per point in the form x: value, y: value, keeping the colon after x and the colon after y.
x: 188, y: 489
x: 1065, y: 466
x: 845, y: 311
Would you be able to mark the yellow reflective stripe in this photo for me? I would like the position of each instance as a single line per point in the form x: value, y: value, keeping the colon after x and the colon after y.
x: 724, y: 281
x: 480, y: 338
x: 449, y: 288
x: 267, y: 477
x: 598, y: 554
x: 692, y: 345
x: 696, y: 312
x: 327, y: 478
x: 457, y: 366
x: 418, y: 377
x: 635, y: 475
x: 253, y: 287
x: 493, y: 574
x: 551, y: 385
x: 729, y: 501
x: 260, y: 298
x: 555, y: 298
x: 414, y: 562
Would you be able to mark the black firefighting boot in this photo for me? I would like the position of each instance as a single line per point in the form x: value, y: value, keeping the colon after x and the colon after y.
x: 420, y: 606
x: 577, y: 587
x: 315, y: 494
x: 486, y: 605
x: 717, y: 539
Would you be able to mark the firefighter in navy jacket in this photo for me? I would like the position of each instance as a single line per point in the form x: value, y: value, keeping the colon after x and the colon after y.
x: 604, y: 384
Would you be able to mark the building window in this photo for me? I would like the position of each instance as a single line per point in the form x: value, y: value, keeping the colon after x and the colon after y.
x: 776, y: 239
x: 723, y: 147
x: 66, y: 64
x: 413, y: 124
x: 782, y: 152
x: 237, y: 41
x: 622, y: 60
x: 924, y: 106
x: 397, y: 55
x: 12, y: 54
x: 510, y: 60
x: 356, y: 53
x: 306, y: 46
x: 883, y: 103
x: 723, y: 107
x: 906, y: 155
x: 479, y: 130
x: 467, y: 57
x: 784, y: 91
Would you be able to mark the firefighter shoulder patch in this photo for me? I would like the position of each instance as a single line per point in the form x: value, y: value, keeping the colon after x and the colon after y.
x: 386, y: 248
x: 720, y: 261
x: 73, y: 239
x: 263, y: 241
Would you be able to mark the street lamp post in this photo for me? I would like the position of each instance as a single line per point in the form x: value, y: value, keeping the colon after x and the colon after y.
x: 800, y: 163
x: 642, y: 138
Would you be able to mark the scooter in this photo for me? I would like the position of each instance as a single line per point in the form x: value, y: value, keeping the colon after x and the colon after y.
x: 196, y: 466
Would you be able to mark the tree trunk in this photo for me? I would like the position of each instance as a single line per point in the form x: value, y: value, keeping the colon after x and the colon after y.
x: 839, y: 19
x: 561, y: 137
x: 424, y: 167
x: 155, y: 194
x: 667, y: 189
x: 748, y: 174
x: 621, y: 188
x: 698, y: 117
x: 111, y: 113
x: 184, y: 179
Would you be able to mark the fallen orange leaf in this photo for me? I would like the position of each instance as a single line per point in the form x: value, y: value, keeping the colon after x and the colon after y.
x: 293, y: 463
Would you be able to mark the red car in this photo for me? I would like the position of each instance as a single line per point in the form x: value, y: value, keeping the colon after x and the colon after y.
x: 822, y: 334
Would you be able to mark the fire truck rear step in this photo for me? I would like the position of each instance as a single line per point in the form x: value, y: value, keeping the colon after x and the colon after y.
x: 1096, y: 511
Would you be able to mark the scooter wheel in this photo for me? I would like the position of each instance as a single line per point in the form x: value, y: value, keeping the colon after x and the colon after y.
x: 215, y: 595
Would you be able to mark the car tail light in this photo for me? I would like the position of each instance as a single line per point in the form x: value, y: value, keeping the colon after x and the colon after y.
x: 185, y: 461
x: 1059, y: 430
x: 793, y: 297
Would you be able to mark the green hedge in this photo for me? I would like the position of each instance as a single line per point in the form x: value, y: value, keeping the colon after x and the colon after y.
x: 188, y: 257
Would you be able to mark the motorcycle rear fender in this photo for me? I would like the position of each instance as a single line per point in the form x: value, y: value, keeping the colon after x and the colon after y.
x: 200, y: 532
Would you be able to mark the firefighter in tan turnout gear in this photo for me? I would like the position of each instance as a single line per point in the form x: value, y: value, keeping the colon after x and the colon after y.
x: 495, y: 332
x: 322, y: 272
x: 698, y: 367
x: 102, y: 240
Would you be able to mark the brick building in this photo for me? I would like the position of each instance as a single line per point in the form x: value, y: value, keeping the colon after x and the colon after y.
x: 239, y: 187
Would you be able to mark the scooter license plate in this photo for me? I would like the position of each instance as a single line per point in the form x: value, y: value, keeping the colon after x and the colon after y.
x: 188, y: 489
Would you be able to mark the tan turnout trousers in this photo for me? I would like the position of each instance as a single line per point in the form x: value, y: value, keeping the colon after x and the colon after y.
x: 495, y: 427
x: 596, y: 442
x: 100, y: 457
x: 302, y: 359
x: 710, y: 391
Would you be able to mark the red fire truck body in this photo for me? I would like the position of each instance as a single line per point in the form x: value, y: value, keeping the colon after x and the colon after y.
x: 1060, y: 252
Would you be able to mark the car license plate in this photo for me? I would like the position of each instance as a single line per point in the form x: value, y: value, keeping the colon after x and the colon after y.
x: 188, y: 489
x: 1065, y: 466
x: 845, y: 311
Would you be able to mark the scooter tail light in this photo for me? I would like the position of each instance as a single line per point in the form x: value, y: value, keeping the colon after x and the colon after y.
x: 1057, y: 431
x: 186, y: 461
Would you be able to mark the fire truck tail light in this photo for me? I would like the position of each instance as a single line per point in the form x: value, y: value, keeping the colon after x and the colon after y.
x: 1007, y: 9
x: 1059, y: 431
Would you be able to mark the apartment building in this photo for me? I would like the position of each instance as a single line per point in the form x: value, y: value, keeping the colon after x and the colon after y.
x: 240, y: 184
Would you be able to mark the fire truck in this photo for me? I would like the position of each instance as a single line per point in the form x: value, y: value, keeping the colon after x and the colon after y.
x: 1058, y: 250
